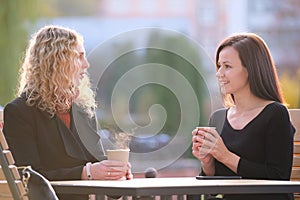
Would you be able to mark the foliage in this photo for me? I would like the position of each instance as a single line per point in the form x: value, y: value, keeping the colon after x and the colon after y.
x: 291, y: 88
x: 15, y: 15
x: 16, y: 22
x: 54, y: 8
x: 151, y: 94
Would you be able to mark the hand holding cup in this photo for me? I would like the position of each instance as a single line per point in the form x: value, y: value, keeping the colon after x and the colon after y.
x: 203, y: 141
x: 120, y: 155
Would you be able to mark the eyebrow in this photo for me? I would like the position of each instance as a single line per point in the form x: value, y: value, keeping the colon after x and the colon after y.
x: 81, y: 52
x: 225, y: 62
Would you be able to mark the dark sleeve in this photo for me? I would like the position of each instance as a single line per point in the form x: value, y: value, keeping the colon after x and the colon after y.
x: 69, y: 173
x: 278, y: 148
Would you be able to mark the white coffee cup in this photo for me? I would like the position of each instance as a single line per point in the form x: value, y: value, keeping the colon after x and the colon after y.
x: 118, y: 154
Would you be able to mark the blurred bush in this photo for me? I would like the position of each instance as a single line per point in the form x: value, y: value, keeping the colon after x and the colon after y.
x: 291, y: 88
x: 15, y: 19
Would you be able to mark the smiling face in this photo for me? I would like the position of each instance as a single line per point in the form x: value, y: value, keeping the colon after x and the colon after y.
x: 232, y: 75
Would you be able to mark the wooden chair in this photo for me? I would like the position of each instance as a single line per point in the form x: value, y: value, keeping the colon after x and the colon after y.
x: 295, y: 176
x: 11, y: 186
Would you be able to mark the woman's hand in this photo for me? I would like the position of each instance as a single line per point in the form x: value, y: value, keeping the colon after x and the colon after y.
x: 110, y: 170
x: 210, y: 144
x: 129, y: 175
x: 208, y: 141
x: 198, y: 150
x: 202, y: 153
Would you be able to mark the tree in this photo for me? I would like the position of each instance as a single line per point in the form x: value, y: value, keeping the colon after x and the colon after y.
x: 15, y: 15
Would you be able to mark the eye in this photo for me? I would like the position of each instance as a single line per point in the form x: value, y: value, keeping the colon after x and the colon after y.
x: 81, y: 56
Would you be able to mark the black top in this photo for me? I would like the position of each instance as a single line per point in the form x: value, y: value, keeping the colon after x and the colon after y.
x: 265, y: 147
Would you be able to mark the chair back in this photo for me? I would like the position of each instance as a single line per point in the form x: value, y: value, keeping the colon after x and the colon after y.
x: 295, y: 176
x: 11, y: 185
x: 295, y: 118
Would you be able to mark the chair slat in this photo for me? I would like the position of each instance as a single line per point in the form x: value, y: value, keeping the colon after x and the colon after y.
x: 9, y: 157
x: 13, y: 169
x: 296, y: 161
x: 297, y: 147
x: 295, y: 175
x: 296, y: 197
x: 11, y: 186
x: 295, y: 118
x: 5, y: 191
x: 3, y: 142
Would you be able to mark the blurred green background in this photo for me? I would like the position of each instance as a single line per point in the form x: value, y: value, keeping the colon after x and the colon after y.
x: 18, y: 19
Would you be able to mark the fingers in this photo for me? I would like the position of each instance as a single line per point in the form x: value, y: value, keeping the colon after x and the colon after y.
x: 204, y: 140
x: 207, y: 133
x: 117, y: 166
x: 113, y: 163
x: 129, y: 175
x: 201, y: 153
x: 195, y: 131
x: 116, y: 172
x: 114, y: 175
x: 110, y: 170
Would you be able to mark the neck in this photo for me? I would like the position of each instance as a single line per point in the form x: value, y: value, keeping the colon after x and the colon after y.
x: 248, y: 101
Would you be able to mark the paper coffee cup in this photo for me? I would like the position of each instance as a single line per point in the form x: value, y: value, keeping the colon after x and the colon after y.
x: 118, y: 154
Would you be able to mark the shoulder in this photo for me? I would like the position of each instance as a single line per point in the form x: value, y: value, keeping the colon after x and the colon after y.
x: 221, y: 110
x: 276, y: 114
x: 276, y: 108
x: 219, y: 113
x: 18, y: 106
x: 17, y: 103
x: 278, y: 117
x: 218, y: 118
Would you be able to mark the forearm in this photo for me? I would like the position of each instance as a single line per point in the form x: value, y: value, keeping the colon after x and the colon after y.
x: 73, y: 173
x: 208, y: 168
x: 230, y: 160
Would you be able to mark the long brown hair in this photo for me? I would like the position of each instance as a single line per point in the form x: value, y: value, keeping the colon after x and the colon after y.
x: 255, y: 56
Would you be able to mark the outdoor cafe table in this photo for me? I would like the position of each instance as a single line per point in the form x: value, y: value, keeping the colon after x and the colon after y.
x: 174, y: 186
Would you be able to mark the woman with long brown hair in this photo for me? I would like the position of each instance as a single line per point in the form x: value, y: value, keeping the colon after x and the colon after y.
x: 256, y: 138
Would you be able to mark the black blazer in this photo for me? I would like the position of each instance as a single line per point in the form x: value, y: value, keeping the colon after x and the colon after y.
x: 44, y: 142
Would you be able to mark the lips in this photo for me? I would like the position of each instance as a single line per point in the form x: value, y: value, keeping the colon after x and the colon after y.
x: 223, y: 82
x: 81, y: 75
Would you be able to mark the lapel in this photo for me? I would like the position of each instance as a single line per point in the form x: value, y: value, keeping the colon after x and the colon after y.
x: 71, y: 143
x: 86, y: 128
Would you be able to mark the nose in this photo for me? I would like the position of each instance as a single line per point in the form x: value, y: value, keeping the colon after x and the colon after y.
x: 220, y: 72
x: 85, y: 63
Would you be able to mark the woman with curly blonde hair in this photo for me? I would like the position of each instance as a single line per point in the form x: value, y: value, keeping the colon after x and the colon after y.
x: 51, y: 125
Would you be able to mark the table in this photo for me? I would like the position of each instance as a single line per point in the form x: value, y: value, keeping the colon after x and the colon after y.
x: 174, y: 186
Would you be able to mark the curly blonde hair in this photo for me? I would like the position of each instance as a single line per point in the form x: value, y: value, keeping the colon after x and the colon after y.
x: 49, y: 70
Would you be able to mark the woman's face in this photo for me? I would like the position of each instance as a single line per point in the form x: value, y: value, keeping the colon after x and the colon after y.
x: 83, y: 64
x: 232, y: 75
